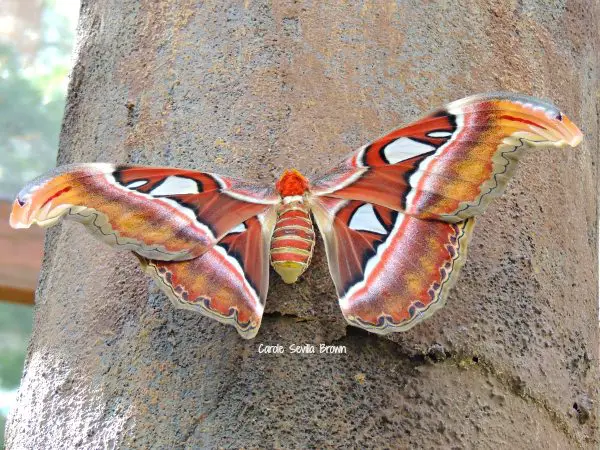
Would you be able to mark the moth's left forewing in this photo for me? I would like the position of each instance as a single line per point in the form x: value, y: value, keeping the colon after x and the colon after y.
x: 390, y: 270
x: 229, y: 282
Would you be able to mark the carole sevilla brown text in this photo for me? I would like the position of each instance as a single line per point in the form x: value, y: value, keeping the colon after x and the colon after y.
x: 309, y: 349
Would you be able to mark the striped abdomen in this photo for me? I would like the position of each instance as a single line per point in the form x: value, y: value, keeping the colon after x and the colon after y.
x: 293, y: 240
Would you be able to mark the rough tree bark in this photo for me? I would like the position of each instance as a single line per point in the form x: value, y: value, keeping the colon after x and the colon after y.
x: 250, y: 88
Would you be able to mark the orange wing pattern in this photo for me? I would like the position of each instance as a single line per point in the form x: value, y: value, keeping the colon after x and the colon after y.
x: 390, y: 270
x: 160, y: 213
x: 451, y: 164
x: 229, y: 282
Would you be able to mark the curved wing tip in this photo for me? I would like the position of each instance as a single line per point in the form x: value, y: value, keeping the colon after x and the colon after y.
x: 14, y: 223
x: 571, y: 138
x: 17, y: 215
x: 568, y: 130
x: 564, y: 130
x: 576, y: 141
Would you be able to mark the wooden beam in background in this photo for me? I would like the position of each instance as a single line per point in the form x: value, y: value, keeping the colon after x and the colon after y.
x: 22, y: 296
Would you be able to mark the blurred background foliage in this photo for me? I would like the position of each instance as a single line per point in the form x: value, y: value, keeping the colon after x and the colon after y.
x: 36, y: 40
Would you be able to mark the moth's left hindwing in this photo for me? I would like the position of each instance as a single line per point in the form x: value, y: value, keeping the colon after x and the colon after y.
x: 390, y: 270
x: 160, y: 213
x: 229, y: 282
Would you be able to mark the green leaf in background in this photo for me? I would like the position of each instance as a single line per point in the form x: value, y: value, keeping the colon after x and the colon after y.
x: 32, y: 98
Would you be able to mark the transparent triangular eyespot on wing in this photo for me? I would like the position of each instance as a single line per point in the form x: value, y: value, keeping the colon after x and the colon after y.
x: 390, y: 270
x: 160, y: 213
x: 229, y: 282
x: 451, y: 164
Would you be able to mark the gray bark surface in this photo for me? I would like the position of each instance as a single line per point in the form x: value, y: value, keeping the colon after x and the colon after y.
x: 250, y: 88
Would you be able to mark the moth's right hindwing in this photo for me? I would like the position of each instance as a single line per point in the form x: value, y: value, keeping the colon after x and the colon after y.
x: 390, y: 270
x: 229, y: 282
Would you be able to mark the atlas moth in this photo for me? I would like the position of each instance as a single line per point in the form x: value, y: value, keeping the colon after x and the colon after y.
x: 396, y: 215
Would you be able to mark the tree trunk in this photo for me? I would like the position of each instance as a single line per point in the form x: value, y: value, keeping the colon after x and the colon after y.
x: 250, y: 88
